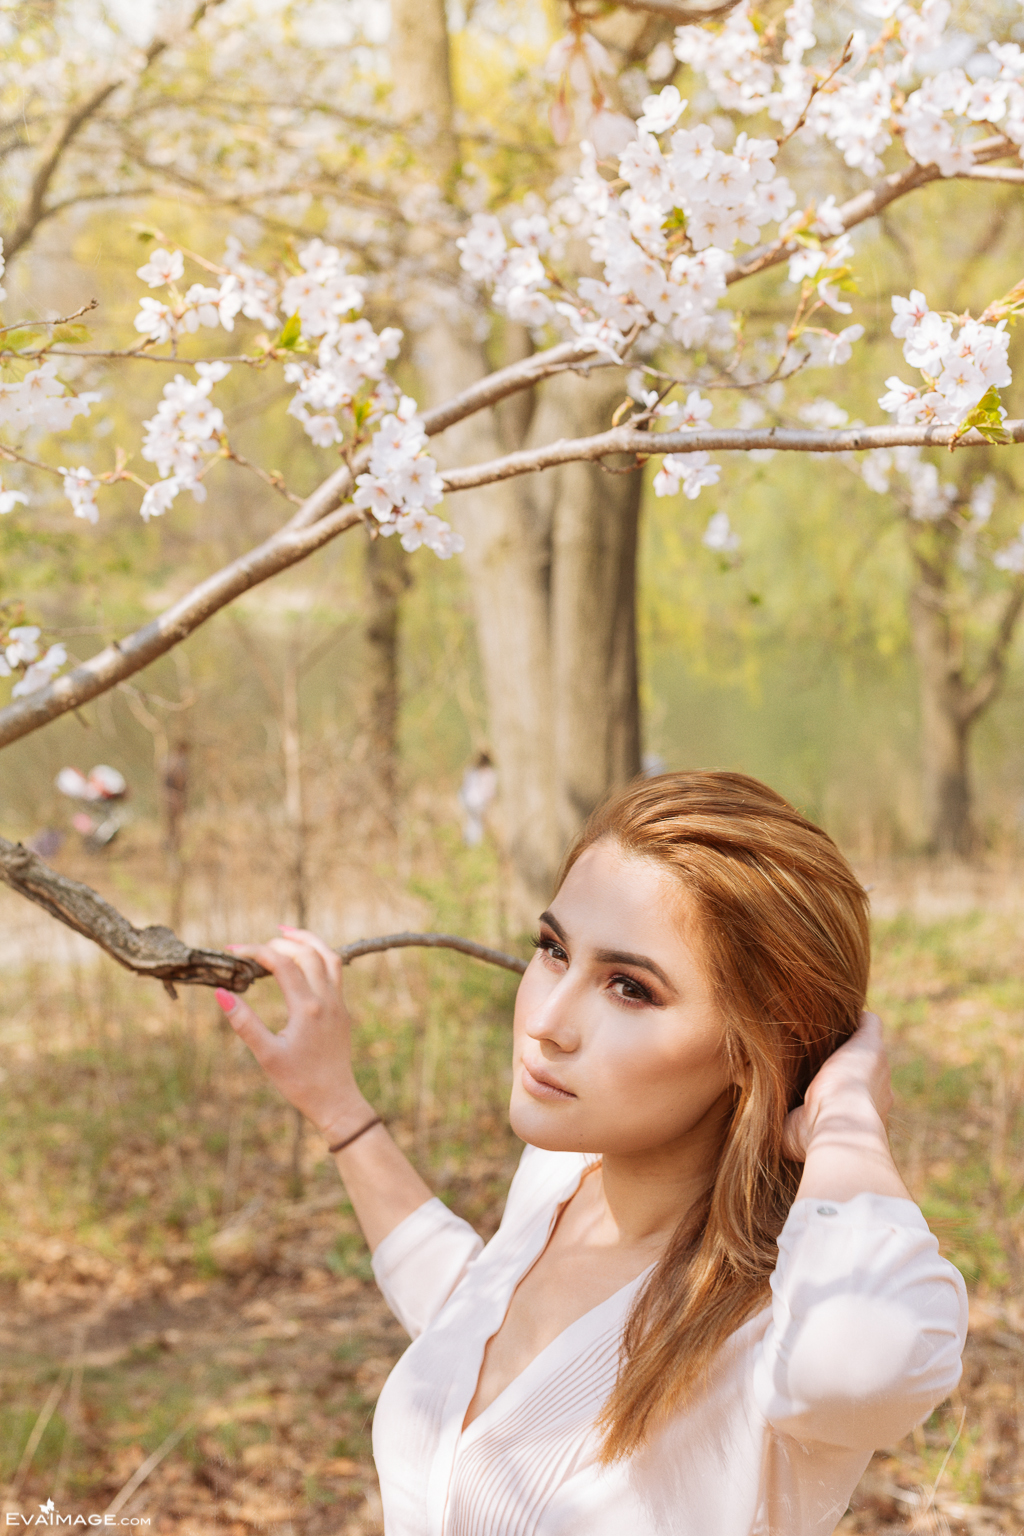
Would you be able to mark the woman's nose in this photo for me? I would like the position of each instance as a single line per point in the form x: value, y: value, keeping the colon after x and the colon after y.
x: 555, y: 1016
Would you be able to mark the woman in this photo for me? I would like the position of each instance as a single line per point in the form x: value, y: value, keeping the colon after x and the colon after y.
x: 711, y: 1296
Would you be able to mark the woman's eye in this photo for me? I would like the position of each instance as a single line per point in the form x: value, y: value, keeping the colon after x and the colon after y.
x: 551, y: 948
x: 632, y: 991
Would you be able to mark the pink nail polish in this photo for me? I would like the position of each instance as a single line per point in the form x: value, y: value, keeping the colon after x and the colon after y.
x: 225, y: 999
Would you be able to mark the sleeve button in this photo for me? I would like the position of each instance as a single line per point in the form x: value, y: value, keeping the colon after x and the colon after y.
x: 827, y: 1210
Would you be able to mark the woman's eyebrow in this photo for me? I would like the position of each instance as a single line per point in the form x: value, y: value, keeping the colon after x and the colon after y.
x: 622, y: 957
x: 552, y: 922
x: 612, y: 956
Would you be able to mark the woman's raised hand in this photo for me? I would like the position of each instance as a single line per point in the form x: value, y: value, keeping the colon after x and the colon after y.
x: 310, y: 1060
x: 852, y: 1085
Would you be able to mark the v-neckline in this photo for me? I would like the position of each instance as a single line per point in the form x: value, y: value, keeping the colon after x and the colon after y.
x: 533, y: 1366
x: 560, y: 1205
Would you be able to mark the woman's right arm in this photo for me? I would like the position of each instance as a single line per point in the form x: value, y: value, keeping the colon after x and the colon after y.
x: 310, y: 1062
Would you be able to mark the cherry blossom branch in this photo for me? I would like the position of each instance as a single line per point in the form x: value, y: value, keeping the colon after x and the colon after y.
x: 485, y: 392
x: 322, y: 519
x: 643, y: 445
x: 867, y: 204
x: 156, y: 951
x: 816, y: 89
x: 36, y: 209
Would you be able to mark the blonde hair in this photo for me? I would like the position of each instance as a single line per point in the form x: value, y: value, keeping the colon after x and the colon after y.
x: 783, y: 932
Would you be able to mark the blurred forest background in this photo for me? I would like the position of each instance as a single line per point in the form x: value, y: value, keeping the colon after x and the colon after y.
x: 190, y: 1332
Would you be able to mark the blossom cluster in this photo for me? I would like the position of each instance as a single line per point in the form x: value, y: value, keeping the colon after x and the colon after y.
x: 321, y: 303
x: 665, y: 238
x: 21, y: 652
x: 664, y: 244
x: 200, y: 304
x: 402, y: 484
x: 866, y: 101
x: 961, y: 360
x: 185, y: 430
x: 40, y: 400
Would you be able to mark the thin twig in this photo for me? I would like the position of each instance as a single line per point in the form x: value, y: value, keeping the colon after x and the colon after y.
x: 432, y: 941
x: 817, y: 87
x: 34, y: 325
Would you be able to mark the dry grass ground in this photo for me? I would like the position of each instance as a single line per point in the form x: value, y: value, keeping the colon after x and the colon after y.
x: 189, y: 1333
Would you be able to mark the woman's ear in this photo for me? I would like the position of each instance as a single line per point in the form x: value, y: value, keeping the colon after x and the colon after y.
x: 740, y: 1073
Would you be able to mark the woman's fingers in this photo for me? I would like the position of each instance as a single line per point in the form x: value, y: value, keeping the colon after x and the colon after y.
x: 247, y: 1025
x: 330, y: 957
x: 794, y: 1134
x: 298, y: 969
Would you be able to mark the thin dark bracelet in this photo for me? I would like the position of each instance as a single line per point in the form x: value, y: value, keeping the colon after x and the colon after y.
x: 356, y: 1134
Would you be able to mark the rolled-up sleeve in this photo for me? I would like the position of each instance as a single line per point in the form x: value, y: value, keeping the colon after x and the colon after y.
x: 868, y: 1324
x: 420, y: 1262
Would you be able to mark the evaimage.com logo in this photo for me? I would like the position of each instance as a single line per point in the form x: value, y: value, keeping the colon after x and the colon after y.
x: 49, y: 1514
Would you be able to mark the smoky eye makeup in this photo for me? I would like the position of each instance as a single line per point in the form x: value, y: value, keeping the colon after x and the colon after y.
x: 634, y: 992
x: 548, y: 944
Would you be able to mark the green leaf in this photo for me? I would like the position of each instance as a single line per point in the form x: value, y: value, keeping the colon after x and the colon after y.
x: 986, y: 418
x: 72, y: 335
x: 291, y: 334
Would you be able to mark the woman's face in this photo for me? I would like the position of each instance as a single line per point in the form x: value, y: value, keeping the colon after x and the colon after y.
x: 618, y: 1046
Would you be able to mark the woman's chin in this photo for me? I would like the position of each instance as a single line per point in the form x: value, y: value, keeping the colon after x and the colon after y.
x: 541, y: 1125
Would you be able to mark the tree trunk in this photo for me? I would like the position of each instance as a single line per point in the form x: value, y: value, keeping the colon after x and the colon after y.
x: 387, y: 577
x: 551, y: 559
x: 945, y: 722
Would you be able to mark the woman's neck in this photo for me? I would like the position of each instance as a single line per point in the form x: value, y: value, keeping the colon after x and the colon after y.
x: 637, y: 1201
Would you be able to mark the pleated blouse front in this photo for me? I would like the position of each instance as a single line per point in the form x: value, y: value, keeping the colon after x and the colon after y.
x: 862, y: 1340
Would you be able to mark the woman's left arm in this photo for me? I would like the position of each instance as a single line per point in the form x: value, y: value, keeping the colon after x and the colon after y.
x: 868, y: 1320
x: 839, y: 1131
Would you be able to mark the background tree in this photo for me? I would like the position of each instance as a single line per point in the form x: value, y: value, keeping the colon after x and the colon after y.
x: 962, y: 624
x: 706, y: 351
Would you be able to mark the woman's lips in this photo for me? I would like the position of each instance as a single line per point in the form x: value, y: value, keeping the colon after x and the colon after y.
x: 539, y: 1085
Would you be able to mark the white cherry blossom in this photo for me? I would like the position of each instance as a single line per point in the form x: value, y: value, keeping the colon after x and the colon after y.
x: 10, y: 499
x: 80, y: 487
x: 660, y: 112
x: 41, y: 672
x: 162, y: 267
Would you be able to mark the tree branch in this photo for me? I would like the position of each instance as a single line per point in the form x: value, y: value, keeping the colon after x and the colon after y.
x: 321, y: 519
x: 866, y: 204
x: 157, y: 952
x: 485, y: 392
x: 981, y: 692
x: 123, y: 658
x: 65, y: 134
x: 644, y: 445
x: 992, y: 173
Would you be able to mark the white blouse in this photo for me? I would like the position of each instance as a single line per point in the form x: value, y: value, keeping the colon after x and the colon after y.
x: 861, y: 1341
